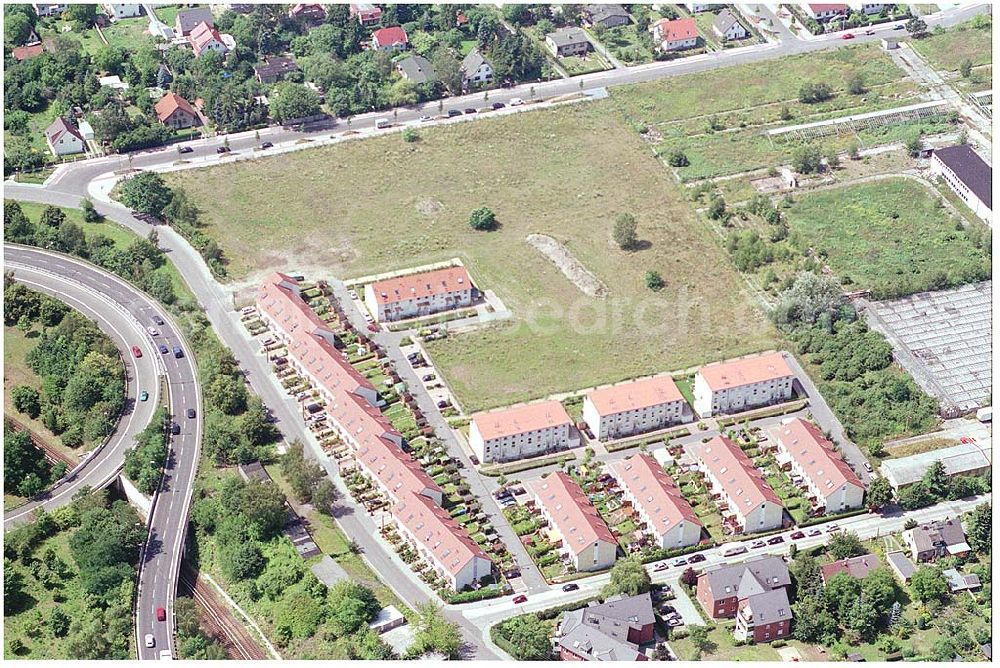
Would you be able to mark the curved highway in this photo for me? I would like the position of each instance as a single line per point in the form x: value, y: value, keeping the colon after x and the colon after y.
x: 125, y: 313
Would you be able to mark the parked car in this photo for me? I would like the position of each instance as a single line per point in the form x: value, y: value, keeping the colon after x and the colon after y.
x: 520, y: 598
x: 797, y: 535
x: 452, y: 113
x: 498, y: 105
x: 516, y: 102
x: 442, y: 404
x: 474, y: 459
x: 869, y: 32
x: 757, y: 544
x: 815, y: 532
x: 833, y: 528
x: 868, y: 466
x: 660, y: 567
x: 222, y: 149
x: 967, y: 440
x: 429, y: 377
x: 675, y: 621
x: 163, y: 349
x: 158, y: 320
x: 144, y: 396
x: 150, y: 640
x: 425, y: 119
x: 266, y: 144
x: 470, y: 110
x: 572, y: 586
x: 695, y: 558
x: 136, y: 352
x: 184, y: 149
x: 680, y: 562
x: 776, y: 540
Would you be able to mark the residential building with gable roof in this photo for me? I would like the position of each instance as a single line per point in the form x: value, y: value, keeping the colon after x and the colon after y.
x: 205, y: 38
x: 390, y: 39
x: 63, y: 138
x: 569, y: 41
x: 521, y: 432
x: 739, y: 385
x: 832, y: 484
x: 367, y: 14
x: 747, y: 503
x: 932, y: 540
x: 174, y: 111
x: 856, y: 567
x: 610, y: 16
x: 416, y: 69
x: 825, y: 12
x: 189, y: 19
x: 421, y: 294
x: 661, y: 509
x: 633, y: 408
x: 609, y: 631
x: 475, y: 69
x: 574, y: 524
x: 728, y: 27
x: 274, y: 68
x: 675, y: 34
x: 754, y: 592
x: 764, y: 617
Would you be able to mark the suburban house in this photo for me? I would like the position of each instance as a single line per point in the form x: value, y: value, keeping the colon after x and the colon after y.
x: 931, y: 540
x: 968, y: 175
x: 274, y: 68
x: 826, y: 12
x: 312, y: 14
x: 831, y: 483
x: 901, y: 565
x: 698, y: 7
x: 205, y: 38
x: 568, y: 42
x: 390, y: 39
x: 739, y: 385
x: 475, y: 70
x: 521, y: 432
x: 189, y: 19
x: 574, y: 524
x: 633, y: 408
x: 49, y: 8
x: 963, y: 459
x: 174, y: 111
x: 421, y: 294
x: 957, y: 582
x: 609, y: 631
x: 746, y: 501
x: 122, y: 10
x: 376, y: 446
x: 728, y: 27
x: 416, y: 69
x: 856, y: 567
x: 675, y: 34
x: 661, y: 509
x: 63, y: 138
x: 366, y: 14
x: 754, y: 592
x: 441, y: 542
x: 609, y: 16
x: 869, y: 8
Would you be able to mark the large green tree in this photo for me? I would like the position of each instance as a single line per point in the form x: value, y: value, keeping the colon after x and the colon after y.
x: 147, y: 193
x: 629, y: 577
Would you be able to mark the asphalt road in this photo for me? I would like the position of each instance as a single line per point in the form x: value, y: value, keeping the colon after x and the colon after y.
x: 97, y: 300
x: 103, y: 293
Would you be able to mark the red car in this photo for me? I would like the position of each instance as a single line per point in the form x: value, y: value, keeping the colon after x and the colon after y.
x: 968, y: 439
x: 136, y: 351
x: 847, y: 35
x: 161, y: 615
x: 520, y: 598
x: 797, y: 535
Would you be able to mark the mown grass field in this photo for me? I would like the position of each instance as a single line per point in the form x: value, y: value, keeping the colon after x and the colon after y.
x: 947, y: 50
x: 382, y: 204
x: 884, y: 232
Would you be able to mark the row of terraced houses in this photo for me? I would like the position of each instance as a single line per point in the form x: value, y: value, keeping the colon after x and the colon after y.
x: 352, y: 405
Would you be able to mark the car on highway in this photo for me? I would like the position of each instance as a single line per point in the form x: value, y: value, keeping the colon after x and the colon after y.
x: 470, y: 110
x: 572, y: 586
x: 222, y: 149
x: 899, y: 27
x: 136, y: 351
x: 153, y: 331
x: 869, y: 32
x: 158, y: 320
x: 175, y: 428
x: 798, y: 535
x: 498, y: 105
x: 426, y: 119
x: 161, y: 615
x: 178, y: 353
x: 775, y: 540
x: 266, y: 144
x: 695, y: 558
x: 150, y: 640
x: 144, y: 396
x: 184, y: 149
x: 163, y: 349
x: 847, y: 35
x: 516, y: 102
x: 520, y: 598
x: 452, y: 113
x: 191, y: 413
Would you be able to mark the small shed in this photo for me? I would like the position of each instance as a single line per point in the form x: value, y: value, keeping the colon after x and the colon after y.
x: 890, y: 43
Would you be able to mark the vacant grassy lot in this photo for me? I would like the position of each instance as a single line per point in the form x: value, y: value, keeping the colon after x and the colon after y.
x: 947, y: 50
x: 383, y: 204
x: 887, y: 233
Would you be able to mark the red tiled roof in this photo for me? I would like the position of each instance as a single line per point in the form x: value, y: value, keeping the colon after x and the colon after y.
x: 521, y: 419
x: 387, y: 36
x: 724, y: 375
x: 60, y: 127
x: 356, y: 416
x: 742, y: 483
x: 419, y: 286
x: 857, y: 567
x: 635, y: 395
x: 677, y: 29
x: 574, y: 516
x: 396, y: 470
x: 814, y: 454
x: 27, y: 52
x: 202, y: 35
x: 440, y: 535
x: 819, y: 9
x: 170, y: 103
x: 655, y: 491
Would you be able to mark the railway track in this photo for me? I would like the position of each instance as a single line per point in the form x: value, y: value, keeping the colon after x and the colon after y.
x: 218, y: 620
x: 47, y: 449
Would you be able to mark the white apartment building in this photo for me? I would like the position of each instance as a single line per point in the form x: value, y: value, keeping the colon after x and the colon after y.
x: 739, y: 385
x: 747, y: 502
x: 968, y: 175
x: 663, y: 511
x: 521, y: 432
x: 416, y: 295
x: 633, y: 408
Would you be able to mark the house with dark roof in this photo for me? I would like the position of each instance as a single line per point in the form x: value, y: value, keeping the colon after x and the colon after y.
x: 274, y: 68
x: 609, y: 631
x: 174, y: 111
x: 609, y: 16
x: 416, y: 69
x: 900, y: 565
x: 728, y: 27
x: 959, y: 582
x: 931, y: 540
x: 189, y: 19
x: 754, y: 592
x: 310, y: 14
x: 568, y: 42
x: 475, y: 69
x: 856, y: 567
x: 764, y: 617
x: 968, y: 175
x: 64, y: 138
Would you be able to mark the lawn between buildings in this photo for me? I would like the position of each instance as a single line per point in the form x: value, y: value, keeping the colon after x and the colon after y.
x: 946, y: 51
x: 566, y: 173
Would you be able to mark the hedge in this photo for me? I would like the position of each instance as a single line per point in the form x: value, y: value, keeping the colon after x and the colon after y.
x: 782, y: 409
x: 649, y: 440
x: 516, y: 467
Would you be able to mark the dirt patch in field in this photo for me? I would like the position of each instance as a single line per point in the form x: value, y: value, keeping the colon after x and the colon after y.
x: 430, y: 206
x: 560, y: 256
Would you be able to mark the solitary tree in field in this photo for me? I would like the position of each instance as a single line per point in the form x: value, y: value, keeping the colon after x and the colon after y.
x: 625, y: 231
x: 483, y: 219
x: 965, y: 68
x: 654, y: 281
x: 916, y: 27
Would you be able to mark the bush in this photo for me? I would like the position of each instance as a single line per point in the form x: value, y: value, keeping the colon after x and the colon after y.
x: 483, y: 220
x: 654, y: 281
x: 677, y: 158
x: 815, y: 92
